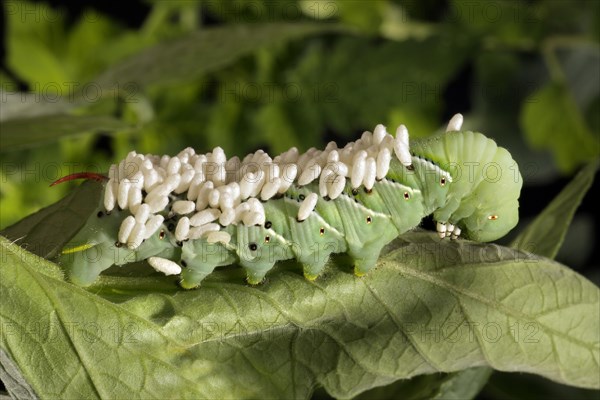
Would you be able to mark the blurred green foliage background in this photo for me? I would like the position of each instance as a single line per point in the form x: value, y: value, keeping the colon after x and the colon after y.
x: 84, y: 83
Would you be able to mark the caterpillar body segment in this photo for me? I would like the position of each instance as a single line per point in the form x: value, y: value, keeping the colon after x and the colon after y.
x: 353, y: 200
x: 316, y: 237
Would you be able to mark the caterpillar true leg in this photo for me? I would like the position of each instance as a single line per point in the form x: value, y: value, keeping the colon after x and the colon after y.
x: 456, y: 233
x: 441, y: 229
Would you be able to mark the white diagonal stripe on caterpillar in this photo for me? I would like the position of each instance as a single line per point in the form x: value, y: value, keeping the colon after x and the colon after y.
x: 436, y: 169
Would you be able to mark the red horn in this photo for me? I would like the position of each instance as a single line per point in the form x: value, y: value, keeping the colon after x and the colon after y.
x: 80, y: 175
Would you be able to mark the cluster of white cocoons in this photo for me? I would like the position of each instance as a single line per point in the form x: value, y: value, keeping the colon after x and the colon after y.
x: 209, y: 191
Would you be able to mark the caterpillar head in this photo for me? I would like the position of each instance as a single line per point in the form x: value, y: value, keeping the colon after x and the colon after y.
x: 482, y: 199
x: 495, y: 199
x: 492, y: 202
x: 492, y: 222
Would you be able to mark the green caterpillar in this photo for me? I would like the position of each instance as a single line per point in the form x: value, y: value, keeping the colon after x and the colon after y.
x: 191, y: 213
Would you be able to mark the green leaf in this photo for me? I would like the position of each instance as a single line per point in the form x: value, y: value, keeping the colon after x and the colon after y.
x: 46, y: 232
x: 464, y: 385
x: 349, y: 91
x: 29, y: 132
x: 76, y: 337
x: 546, y: 233
x: 504, y: 21
x: 23, y: 105
x: 276, y: 129
x: 367, y: 16
x: 551, y: 120
x: 95, y: 42
x: 204, y: 51
x: 54, y: 55
x: 544, y: 236
x: 429, y: 307
x: 35, y: 36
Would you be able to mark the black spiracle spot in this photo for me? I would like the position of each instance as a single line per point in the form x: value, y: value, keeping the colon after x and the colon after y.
x: 171, y: 227
x: 268, y: 224
x: 100, y: 214
x: 179, y: 243
x: 183, y: 263
x: 253, y: 246
x: 301, y: 197
x: 118, y: 244
x: 354, y: 192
